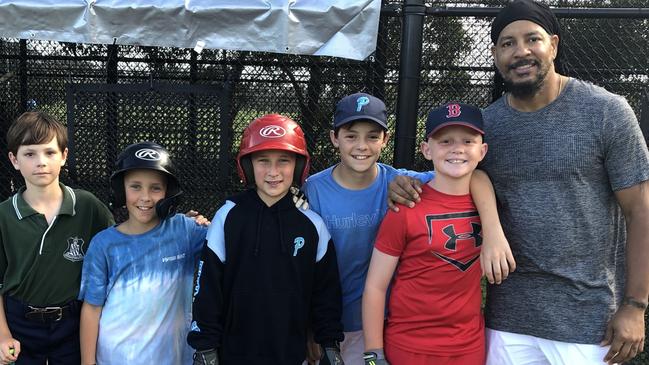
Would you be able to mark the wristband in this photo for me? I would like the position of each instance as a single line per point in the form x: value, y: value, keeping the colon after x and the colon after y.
x: 377, y: 354
x: 634, y: 303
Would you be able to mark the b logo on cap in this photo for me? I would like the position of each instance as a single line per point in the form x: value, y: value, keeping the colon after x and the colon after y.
x: 272, y: 131
x: 147, y: 154
x: 361, y: 102
x: 454, y: 111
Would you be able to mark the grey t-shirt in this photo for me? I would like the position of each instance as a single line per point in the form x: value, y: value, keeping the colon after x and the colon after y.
x: 555, y: 172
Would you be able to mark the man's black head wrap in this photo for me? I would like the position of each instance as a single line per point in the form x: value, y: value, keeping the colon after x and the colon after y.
x: 525, y: 10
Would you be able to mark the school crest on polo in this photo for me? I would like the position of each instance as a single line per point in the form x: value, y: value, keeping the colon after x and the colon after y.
x: 74, y: 252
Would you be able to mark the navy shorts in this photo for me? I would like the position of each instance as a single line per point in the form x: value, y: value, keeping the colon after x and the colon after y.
x: 46, y: 335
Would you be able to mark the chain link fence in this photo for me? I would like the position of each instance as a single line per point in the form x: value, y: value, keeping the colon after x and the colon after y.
x: 456, y: 65
x: 198, y: 104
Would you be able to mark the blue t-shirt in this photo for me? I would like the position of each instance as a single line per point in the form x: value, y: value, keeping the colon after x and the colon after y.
x: 353, y: 217
x: 144, y: 283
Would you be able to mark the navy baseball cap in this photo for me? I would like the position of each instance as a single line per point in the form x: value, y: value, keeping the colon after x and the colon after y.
x: 360, y: 106
x: 454, y: 113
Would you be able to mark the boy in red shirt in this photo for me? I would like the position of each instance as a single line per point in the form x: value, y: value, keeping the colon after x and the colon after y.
x: 434, y: 314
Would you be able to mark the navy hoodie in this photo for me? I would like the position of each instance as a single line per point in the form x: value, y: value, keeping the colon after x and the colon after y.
x: 266, y: 274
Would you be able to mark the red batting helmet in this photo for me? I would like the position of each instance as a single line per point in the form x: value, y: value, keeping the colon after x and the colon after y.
x: 273, y: 132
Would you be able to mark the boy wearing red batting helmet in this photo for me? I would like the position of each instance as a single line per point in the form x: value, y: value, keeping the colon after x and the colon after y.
x: 269, y: 269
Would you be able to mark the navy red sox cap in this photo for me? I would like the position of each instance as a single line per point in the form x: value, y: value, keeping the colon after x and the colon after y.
x: 360, y: 106
x: 454, y: 113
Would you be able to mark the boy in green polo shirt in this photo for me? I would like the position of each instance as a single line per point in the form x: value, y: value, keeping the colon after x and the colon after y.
x: 45, y: 229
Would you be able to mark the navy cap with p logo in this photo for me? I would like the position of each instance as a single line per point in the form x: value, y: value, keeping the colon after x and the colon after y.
x: 360, y: 106
x: 454, y: 113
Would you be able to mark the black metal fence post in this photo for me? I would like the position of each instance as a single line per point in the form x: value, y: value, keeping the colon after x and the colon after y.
x: 409, y: 74
x: 22, y: 71
x: 112, y: 105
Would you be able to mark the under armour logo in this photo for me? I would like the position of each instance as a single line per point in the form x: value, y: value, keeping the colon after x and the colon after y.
x: 446, y: 219
x: 361, y: 102
x: 451, y: 243
x: 454, y: 110
x: 298, y: 244
x: 272, y: 131
x: 447, y: 223
x: 148, y: 154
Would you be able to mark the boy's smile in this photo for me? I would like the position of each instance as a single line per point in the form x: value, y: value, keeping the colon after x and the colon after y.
x: 143, y: 188
x: 360, y: 146
x: 455, y: 152
x: 273, y: 171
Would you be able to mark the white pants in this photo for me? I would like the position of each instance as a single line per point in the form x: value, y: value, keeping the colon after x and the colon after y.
x: 351, y: 349
x: 507, y: 348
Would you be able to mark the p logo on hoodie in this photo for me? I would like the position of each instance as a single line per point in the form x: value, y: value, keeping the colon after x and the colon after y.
x: 298, y: 243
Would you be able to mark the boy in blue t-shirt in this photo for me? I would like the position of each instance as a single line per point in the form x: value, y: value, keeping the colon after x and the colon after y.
x: 351, y: 197
x: 138, y: 276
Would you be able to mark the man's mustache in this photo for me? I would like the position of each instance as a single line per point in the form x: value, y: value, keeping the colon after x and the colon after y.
x: 523, y: 63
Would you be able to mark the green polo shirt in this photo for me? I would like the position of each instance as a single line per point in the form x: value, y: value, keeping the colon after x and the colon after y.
x: 40, y: 263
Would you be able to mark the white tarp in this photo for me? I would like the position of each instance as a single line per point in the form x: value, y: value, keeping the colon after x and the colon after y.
x: 341, y: 28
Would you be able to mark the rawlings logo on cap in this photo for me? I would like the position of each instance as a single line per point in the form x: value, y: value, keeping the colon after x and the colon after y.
x: 148, y: 154
x: 272, y: 131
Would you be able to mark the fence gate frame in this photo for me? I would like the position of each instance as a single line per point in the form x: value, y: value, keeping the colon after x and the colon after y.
x: 222, y: 92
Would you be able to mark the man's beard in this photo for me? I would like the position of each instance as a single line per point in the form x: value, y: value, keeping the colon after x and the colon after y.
x: 527, y: 89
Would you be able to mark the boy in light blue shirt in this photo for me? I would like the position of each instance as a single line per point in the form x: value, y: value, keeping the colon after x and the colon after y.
x: 138, y: 276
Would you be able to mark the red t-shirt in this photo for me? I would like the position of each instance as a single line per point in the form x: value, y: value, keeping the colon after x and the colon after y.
x: 435, y: 299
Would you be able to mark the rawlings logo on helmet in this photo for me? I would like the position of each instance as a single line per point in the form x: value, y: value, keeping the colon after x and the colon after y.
x: 151, y: 156
x: 272, y: 131
x: 148, y: 154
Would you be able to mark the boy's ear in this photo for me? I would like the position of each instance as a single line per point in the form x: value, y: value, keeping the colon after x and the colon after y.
x: 65, y: 156
x: 425, y: 150
x: 13, y: 160
x: 386, y: 137
x: 333, y: 138
x: 485, y: 148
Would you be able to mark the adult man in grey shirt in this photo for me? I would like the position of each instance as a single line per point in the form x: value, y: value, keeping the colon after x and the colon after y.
x: 570, y: 167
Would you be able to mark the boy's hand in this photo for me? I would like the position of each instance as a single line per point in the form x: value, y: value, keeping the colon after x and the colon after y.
x: 9, y: 350
x: 331, y: 356
x: 496, y: 259
x: 299, y: 199
x: 206, y: 357
x: 313, y: 350
x: 403, y: 190
x: 198, y: 218
x: 375, y: 357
